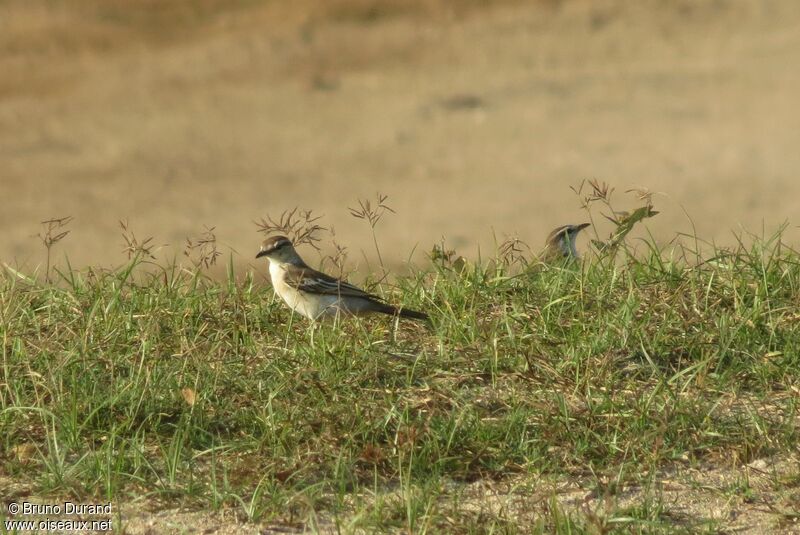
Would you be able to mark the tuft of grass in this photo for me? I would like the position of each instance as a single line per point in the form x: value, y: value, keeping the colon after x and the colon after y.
x: 130, y: 382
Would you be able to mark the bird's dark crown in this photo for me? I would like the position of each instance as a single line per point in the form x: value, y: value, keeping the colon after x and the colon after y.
x: 566, y: 231
x: 270, y: 245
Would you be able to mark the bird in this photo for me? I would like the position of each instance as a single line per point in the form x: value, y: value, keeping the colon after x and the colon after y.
x: 560, y: 243
x: 316, y: 295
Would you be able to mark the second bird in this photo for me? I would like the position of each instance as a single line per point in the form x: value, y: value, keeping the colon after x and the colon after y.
x: 316, y: 295
x: 560, y: 243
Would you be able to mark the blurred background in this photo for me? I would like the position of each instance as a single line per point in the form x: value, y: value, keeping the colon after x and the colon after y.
x: 475, y: 118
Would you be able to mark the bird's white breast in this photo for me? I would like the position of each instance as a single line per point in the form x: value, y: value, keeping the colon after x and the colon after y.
x: 309, y: 305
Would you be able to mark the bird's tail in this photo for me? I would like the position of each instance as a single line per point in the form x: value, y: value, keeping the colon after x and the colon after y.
x: 404, y: 313
x: 413, y: 314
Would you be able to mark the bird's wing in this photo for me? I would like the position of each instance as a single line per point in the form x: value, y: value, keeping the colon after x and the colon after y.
x: 312, y: 281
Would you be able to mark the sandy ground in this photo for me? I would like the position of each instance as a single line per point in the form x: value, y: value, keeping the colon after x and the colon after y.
x: 475, y: 118
x: 758, y: 498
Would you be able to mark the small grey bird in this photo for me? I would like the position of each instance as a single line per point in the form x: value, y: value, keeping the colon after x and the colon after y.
x: 561, y: 242
x: 316, y: 295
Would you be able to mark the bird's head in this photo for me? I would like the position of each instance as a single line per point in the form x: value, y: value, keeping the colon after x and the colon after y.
x: 563, y: 239
x: 277, y: 249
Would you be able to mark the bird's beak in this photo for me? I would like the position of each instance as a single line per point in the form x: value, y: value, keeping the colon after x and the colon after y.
x: 260, y: 254
x: 581, y: 226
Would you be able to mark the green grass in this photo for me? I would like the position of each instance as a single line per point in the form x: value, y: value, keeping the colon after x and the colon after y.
x: 608, y: 371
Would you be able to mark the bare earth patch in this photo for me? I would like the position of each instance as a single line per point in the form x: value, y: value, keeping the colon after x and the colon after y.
x: 758, y: 498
